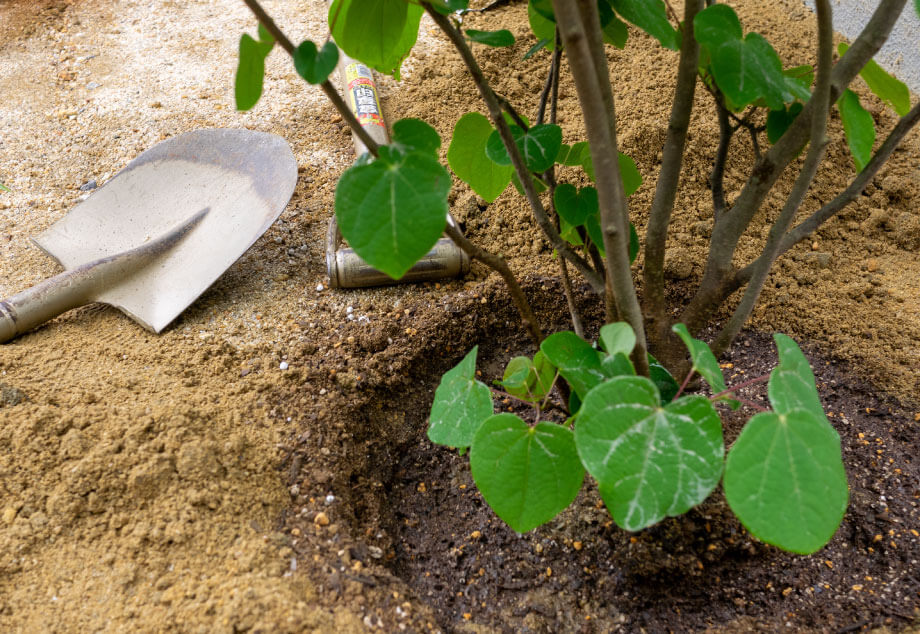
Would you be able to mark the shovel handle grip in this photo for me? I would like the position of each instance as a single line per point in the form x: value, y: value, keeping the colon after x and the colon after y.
x: 46, y: 300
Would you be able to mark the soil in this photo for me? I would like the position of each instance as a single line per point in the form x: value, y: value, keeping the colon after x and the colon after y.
x: 185, y: 482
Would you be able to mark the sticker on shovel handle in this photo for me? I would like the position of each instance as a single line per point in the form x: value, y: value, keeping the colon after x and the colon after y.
x: 362, y: 93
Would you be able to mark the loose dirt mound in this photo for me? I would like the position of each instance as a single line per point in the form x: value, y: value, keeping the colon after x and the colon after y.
x: 185, y: 482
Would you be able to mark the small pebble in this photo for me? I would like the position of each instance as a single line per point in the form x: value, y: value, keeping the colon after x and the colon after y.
x: 322, y: 391
x: 330, y: 499
x: 92, y: 85
x: 321, y: 519
x: 283, y: 365
x: 319, y: 288
x: 349, y: 310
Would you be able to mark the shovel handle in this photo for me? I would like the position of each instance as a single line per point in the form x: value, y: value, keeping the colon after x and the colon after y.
x: 76, y: 287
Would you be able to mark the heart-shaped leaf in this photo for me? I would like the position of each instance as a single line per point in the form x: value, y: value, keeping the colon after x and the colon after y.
x: 792, y: 383
x: 649, y: 461
x: 778, y: 121
x: 467, y: 157
x: 249, y: 73
x: 858, y: 128
x: 315, y: 65
x: 578, y: 362
x: 414, y: 135
x: 393, y: 210
x: 785, y: 481
x: 543, y: 29
x: 380, y: 33
x: 886, y: 87
x: 461, y: 404
x: 662, y: 379
x: 499, y: 38
x: 573, y: 205
x: 651, y: 17
x: 526, y: 474
x: 617, y: 337
x: 539, y: 146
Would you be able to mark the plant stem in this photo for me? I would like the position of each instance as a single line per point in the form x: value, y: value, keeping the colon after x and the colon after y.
x: 752, y: 404
x: 718, y: 274
x: 580, y: 28
x: 717, y: 176
x: 816, y: 148
x: 741, y: 386
x: 495, y: 113
x: 328, y: 89
x: 683, y: 385
x: 672, y: 155
x: 498, y: 264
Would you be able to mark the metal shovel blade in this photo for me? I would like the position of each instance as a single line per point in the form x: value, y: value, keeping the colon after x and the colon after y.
x: 245, y: 178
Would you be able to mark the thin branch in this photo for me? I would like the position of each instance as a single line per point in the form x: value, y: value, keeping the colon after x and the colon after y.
x: 328, y: 89
x: 717, y: 175
x: 816, y: 148
x: 752, y: 404
x: 498, y: 264
x: 684, y: 385
x: 741, y: 386
x: 672, y: 155
x: 580, y: 28
x: 495, y: 113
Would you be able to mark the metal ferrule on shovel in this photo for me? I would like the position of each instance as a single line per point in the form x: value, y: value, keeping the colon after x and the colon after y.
x: 345, y: 268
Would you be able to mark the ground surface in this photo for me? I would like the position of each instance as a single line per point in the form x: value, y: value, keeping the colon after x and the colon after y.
x: 185, y: 482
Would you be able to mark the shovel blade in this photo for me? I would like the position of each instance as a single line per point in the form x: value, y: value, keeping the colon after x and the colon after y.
x: 245, y: 177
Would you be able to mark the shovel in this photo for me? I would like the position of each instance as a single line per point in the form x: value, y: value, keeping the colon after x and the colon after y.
x: 162, y: 230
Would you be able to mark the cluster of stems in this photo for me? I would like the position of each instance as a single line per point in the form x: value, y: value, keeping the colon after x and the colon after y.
x: 579, y: 37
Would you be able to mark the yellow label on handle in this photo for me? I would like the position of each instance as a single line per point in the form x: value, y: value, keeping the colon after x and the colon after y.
x: 362, y: 95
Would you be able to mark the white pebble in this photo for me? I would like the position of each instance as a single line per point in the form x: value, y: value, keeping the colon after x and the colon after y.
x: 349, y: 310
x: 283, y: 365
x: 330, y: 499
x: 319, y: 288
x: 322, y: 391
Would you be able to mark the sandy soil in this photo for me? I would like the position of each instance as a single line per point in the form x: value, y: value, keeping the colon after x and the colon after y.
x: 141, y: 475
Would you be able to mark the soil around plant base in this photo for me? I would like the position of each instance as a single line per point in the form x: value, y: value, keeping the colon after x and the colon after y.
x: 185, y: 482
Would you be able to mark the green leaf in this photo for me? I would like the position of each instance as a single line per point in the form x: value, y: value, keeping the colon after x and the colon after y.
x: 461, y: 404
x: 633, y: 243
x: 249, y: 73
x: 315, y: 66
x: 544, y: 30
x: 632, y: 179
x: 379, y: 33
x: 393, y: 210
x: 538, y: 185
x: 569, y: 233
x: 446, y: 7
x: 593, y: 227
x: 785, y: 480
x: 539, y: 146
x: 4, y: 188
x: 618, y: 365
x: 798, y: 79
x: 517, y: 372
x: 617, y: 338
x: 650, y: 16
x: 662, y: 379
x: 778, y: 121
x: 792, y: 383
x: 467, y: 157
x: 499, y: 38
x: 535, y: 48
x: 745, y: 69
x: 572, y: 155
x: 573, y: 205
x: 414, y: 135
x: 858, y: 127
x: 917, y: 6
x: 543, y: 8
x: 649, y: 461
x: 526, y: 474
x: 578, y: 362
x: 704, y: 361
x: 616, y: 33
x: 889, y: 89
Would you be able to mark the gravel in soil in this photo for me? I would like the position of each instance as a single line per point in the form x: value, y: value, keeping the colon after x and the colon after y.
x: 188, y: 482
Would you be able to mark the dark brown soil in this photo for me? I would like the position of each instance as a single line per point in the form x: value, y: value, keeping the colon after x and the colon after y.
x: 416, y: 502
